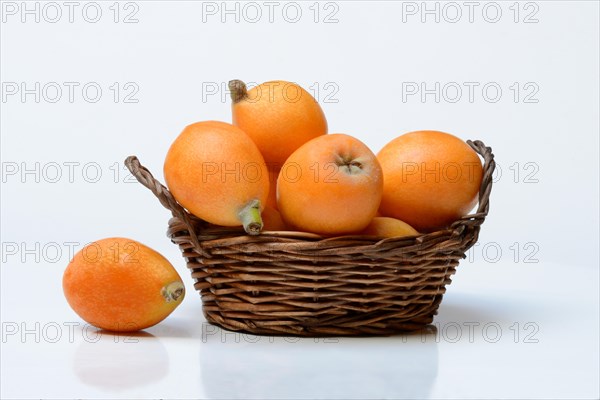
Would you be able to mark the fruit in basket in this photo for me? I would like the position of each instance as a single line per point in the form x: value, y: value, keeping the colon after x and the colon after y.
x: 279, y: 116
x: 431, y: 179
x: 272, y: 220
x: 330, y: 185
x: 120, y: 284
x: 272, y: 198
x: 389, y: 227
x: 215, y: 170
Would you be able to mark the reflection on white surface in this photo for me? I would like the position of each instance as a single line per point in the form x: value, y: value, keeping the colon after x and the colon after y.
x: 118, y: 362
x: 247, y: 366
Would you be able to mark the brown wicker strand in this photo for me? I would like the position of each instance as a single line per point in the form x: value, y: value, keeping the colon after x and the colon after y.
x: 489, y: 165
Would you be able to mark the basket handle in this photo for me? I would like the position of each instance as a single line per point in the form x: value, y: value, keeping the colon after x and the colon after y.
x: 145, y: 177
x: 485, y: 189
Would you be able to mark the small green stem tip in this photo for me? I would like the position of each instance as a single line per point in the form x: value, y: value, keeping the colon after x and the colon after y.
x: 237, y: 90
x: 173, y: 291
x: 250, y: 217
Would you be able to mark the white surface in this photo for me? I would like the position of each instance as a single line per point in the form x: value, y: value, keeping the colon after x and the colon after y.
x: 548, y: 279
x: 555, y: 356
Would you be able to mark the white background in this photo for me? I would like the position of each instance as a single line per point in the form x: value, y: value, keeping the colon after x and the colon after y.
x: 533, y: 275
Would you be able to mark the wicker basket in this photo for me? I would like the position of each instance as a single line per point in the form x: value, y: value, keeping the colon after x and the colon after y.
x: 301, y: 284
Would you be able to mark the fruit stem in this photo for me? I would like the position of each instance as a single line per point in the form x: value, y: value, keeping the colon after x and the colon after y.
x: 173, y: 291
x: 250, y: 217
x: 237, y: 90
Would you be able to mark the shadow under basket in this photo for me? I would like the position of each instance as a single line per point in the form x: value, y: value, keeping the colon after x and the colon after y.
x: 302, y: 284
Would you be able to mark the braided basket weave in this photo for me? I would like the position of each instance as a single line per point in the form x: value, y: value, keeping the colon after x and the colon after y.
x: 301, y: 284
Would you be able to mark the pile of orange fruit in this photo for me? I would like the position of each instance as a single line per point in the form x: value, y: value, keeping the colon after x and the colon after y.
x: 276, y: 168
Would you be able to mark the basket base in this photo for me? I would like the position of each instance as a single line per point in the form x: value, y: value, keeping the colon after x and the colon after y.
x: 350, y: 324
